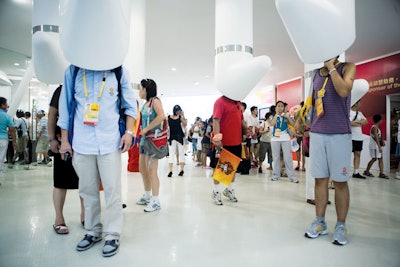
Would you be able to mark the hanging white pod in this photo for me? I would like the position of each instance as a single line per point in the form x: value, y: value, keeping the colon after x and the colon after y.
x: 236, y: 70
x: 360, y: 88
x: 319, y: 29
x: 49, y: 63
x: 95, y: 34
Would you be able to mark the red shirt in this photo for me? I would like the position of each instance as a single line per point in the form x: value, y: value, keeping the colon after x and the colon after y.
x: 229, y: 112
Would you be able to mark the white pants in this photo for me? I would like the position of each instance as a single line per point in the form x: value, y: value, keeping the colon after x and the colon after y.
x: 276, y: 147
x: 107, y: 168
x: 3, y: 153
x: 310, y: 181
x: 176, y: 147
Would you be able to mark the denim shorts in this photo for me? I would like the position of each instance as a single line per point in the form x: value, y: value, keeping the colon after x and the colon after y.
x: 331, y: 156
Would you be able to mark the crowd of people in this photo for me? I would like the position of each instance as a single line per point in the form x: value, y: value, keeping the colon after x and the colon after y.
x: 83, y: 112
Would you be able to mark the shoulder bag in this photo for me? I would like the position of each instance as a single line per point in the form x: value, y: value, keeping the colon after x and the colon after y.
x: 156, y: 142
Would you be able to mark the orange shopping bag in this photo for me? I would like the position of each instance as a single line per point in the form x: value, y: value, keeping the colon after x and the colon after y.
x: 226, y: 167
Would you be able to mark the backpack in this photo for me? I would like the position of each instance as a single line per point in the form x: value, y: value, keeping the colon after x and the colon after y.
x: 122, y: 117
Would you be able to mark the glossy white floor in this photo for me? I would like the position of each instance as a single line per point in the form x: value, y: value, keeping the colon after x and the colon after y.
x: 265, y: 228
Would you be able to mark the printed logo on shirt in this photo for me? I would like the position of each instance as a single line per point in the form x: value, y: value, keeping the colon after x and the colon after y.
x: 111, y: 91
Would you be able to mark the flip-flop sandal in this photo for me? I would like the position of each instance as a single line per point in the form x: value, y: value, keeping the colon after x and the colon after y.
x: 61, y: 229
x: 383, y: 176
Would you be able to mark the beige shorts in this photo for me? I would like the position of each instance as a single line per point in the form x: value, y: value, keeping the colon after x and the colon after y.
x: 22, y: 143
x: 42, y: 145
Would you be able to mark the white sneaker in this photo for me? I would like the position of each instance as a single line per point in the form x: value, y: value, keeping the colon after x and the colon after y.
x: 152, y: 206
x: 230, y: 194
x: 217, y: 198
x: 144, y: 200
x: 397, y: 175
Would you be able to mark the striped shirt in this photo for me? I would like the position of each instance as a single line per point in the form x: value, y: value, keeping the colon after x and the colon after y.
x: 336, y: 108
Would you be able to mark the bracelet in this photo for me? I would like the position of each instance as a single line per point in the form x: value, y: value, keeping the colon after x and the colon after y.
x: 129, y: 132
x: 332, y: 70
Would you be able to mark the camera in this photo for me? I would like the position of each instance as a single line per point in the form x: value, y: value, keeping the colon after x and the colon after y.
x: 50, y: 153
x: 66, y: 156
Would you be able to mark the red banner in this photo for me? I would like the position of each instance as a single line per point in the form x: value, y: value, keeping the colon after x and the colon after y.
x: 383, y: 76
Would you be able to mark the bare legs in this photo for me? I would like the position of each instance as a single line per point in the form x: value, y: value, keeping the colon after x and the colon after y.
x: 59, y: 195
x: 148, y: 169
x: 342, y: 198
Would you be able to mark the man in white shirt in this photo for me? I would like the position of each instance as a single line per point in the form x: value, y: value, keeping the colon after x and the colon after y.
x: 253, y: 126
x: 42, y: 139
x: 357, y: 120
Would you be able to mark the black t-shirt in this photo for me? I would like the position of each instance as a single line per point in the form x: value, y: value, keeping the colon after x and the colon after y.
x: 54, y: 104
x: 175, y: 129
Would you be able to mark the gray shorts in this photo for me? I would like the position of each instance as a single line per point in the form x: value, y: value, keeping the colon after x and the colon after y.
x: 331, y: 156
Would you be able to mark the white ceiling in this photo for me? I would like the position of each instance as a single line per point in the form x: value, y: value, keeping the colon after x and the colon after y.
x: 180, y: 34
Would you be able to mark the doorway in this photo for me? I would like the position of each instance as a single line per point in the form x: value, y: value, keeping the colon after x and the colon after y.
x: 392, y: 126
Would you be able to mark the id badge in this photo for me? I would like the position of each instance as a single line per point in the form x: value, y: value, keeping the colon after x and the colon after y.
x: 91, y: 115
x: 277, y: 132
x: 319, y: 105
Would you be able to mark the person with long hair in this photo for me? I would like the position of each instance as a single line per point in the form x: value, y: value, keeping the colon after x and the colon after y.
x: 152, y: 117
x: 176, y: 122
x: 280, y: 139
x: 64, y: 175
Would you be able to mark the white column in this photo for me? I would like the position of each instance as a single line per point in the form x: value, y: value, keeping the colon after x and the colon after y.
x: 319, y: 29
x: 50, y: 63
x: 236, y: 71
x: 135, y: 59
x: 95, y: 34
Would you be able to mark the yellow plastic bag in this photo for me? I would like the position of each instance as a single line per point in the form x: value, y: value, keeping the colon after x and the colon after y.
x: 226, y: 167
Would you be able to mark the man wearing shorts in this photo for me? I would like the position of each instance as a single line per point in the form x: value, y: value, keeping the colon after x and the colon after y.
x: 331, y: 144
x: 357, y: 120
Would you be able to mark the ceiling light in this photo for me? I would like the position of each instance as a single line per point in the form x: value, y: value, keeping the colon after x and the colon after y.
x: 196, y: 83
x: 173, y: 69
x: 16, y: 64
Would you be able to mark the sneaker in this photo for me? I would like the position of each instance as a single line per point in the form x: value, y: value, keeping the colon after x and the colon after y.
x: 357, y: 175
x: 217, y: 198
x: 295, y: 181
x: 152, y: 206
x: 110, y: 248
x: 87, y: 242
x: 274, y: 179
x: 316, y: 229
x: 339, y: 237
x: 230, y: 194
x: 144, y: 200
x: 397, y: 175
